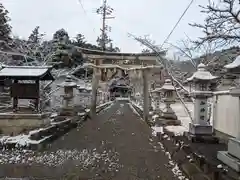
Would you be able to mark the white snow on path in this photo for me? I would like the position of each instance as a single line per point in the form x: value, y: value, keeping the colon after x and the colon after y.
x: 85, y: 158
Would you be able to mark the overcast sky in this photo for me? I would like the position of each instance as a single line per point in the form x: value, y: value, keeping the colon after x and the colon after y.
x: 140, y: 17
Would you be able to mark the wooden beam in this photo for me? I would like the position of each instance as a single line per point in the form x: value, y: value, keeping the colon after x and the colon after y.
x: 123, y: 57
x: 123, y: 67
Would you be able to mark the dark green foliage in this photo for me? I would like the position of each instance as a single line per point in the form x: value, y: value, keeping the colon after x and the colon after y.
x: 5, y: 28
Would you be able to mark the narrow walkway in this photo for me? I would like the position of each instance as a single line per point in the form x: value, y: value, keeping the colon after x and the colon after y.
x: 116, y: 145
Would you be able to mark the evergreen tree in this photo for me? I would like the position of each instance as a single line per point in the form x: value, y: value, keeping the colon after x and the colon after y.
x: 79, y: 40
x: 62, y: 47
x: 61, y: 36
x: 5, y: 28
x: 35, y: 37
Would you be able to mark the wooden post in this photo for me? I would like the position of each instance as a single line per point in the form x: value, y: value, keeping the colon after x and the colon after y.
x: 15, y: 99
x: 95, y: 82
x: 145, y: 94
x: 37, y: 101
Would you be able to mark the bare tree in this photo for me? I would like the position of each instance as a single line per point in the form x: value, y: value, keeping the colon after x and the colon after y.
x: 222, y: 24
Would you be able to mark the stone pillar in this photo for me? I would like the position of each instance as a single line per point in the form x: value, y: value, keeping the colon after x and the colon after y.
x: 232, y: 156
x: 145, y: 94
x: 95, y: 83
x: 200, y: 124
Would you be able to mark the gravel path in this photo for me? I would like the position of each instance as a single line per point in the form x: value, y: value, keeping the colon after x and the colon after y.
x: 116, y: 145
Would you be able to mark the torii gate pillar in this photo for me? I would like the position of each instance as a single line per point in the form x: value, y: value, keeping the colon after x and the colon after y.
x: 95, y: 82
x: 146, y: 94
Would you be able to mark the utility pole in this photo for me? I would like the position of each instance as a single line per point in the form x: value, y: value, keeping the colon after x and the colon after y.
x: 106, y: 12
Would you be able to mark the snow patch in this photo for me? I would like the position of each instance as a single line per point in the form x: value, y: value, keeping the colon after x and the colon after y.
x: 156, y: 130
x: 134, y: 110
x: 85, y: 158
x: 177, y: 130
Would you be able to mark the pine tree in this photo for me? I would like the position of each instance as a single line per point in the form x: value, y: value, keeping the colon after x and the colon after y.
x: 5, y: 28
x: 35, y: 37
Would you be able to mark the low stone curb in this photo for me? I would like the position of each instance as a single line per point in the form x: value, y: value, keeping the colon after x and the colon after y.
x: 192, y: 162
x: 47, y: 135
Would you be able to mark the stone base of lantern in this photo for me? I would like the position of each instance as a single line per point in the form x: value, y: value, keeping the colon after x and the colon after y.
x: 232, y: 156
x: 168, y: 119
x: 200, y: 133
x: 197, y: 129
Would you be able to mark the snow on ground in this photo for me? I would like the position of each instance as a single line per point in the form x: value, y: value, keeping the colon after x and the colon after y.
x: 156, y: 130
x: 85, y: 158
x: 133, y: 109
x: 177, y: 130
x: 171, y: 164
x: 21, y: 139
x: 175, y: 168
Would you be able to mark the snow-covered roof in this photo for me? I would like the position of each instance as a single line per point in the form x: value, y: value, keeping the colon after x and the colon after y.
x: 26, y: 71
x: 234, y: 64
x: 201, y: 74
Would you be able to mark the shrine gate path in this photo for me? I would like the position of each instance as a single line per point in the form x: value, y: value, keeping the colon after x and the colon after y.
x: 121, y: 142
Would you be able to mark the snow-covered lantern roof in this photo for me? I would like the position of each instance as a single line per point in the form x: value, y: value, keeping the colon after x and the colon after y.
x: 234, y: 64
x: 234, y: 67
x: 201, y: 78
x: 167, y: 88
x: 68, y: 83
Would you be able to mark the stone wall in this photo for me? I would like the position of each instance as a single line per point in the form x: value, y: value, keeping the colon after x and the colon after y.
x: 13, y: 125
x: 225, y: 112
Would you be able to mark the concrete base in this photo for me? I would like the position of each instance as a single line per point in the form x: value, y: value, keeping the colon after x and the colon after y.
x: 234, y: 147
x: 229, y: 160
x: 197, y: 129
x: 167, y: 122
x: 201, y: 138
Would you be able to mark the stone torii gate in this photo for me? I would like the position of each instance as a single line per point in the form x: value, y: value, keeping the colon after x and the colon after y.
x: 143, y: 62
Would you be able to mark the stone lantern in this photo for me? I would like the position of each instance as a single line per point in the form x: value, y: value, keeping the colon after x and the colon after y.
x: 201, y: 80
x: 156, y: 94
x: 231, y: 157
x: 168, y: 116
x: 68, y: 85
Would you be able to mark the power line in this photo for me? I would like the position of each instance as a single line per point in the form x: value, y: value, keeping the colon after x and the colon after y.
x: 85, y: 12
x: 169, y: 35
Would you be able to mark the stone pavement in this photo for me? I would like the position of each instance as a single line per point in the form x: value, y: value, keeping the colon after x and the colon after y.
x: 116, y: 145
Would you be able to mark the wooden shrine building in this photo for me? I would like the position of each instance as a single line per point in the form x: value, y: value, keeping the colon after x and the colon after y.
x: 24, y: 82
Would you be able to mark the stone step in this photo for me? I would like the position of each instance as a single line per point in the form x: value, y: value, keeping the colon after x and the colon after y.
x: 229, y: 160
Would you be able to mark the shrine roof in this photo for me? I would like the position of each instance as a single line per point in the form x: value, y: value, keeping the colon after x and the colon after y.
x: 26, y: 73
